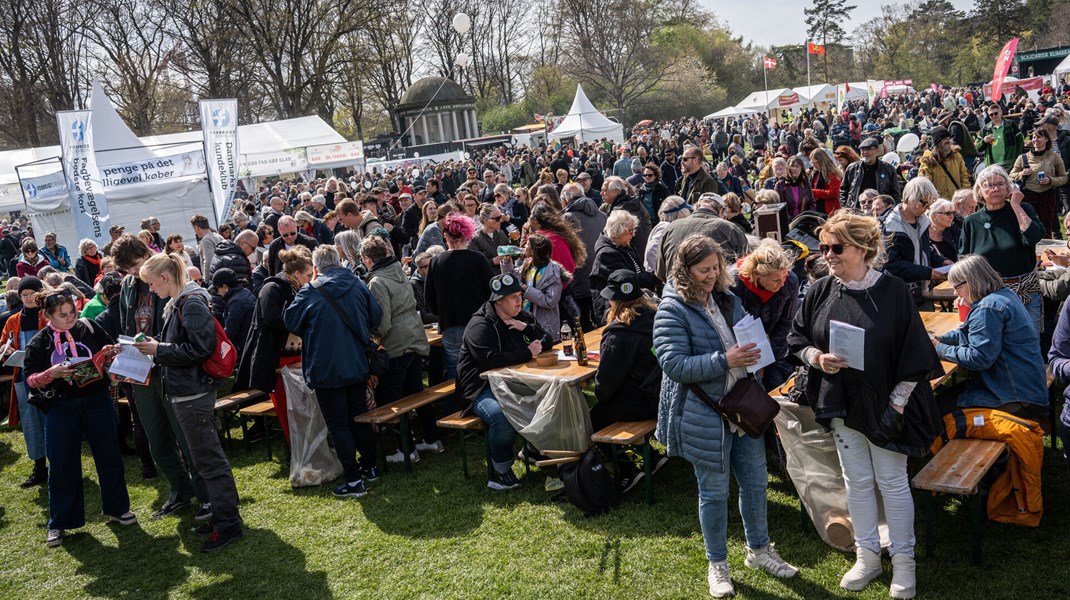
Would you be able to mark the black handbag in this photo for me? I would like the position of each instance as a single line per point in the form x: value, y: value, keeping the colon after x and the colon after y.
x: 746, y: 405
x: 43, y: 398
x: 378, y: 357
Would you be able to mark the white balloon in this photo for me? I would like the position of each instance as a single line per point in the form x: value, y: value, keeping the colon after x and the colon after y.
x: 461, y: 23
x: 415, y: 172
x: 467, y: 156
x: 463, y: 60
x: 367, y: 185
x: 416, y: 155
x: 891, y: 158
x: 907, y: 143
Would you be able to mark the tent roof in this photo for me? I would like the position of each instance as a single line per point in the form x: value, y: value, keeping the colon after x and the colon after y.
x: 583, y: 118
x: 1063, y: 67
x: 760, y: 102
x: 821, y: 92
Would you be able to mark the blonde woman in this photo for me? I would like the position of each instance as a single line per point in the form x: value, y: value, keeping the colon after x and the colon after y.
x: 769, y: 291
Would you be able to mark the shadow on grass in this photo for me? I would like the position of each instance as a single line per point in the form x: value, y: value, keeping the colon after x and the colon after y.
x: 7, y: 456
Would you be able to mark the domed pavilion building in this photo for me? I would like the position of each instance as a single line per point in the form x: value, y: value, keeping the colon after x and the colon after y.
x: 450, y: 114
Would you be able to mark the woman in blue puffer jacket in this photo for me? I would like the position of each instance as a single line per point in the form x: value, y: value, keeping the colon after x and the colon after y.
x: 696, y: 346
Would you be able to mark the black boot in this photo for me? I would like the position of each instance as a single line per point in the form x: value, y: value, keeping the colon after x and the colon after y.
x: 39, y: 475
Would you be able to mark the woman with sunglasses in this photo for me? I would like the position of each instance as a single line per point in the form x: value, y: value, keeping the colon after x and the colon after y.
x: 881, y: 414
x: 1040, y: 171
x: 652, y: 192
x: 911, y: 255
x: 489, y: 236
x: 1006, y: 231
x: 943, y: 233
x: 79, y: 406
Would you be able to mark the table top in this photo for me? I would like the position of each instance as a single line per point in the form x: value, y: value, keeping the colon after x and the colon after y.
x: 433, y: 337
x: 942, y: 291
x: 567, y: 370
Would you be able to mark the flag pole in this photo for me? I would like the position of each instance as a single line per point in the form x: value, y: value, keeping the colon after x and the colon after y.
x: 765, y: 78
x: 807, y: 63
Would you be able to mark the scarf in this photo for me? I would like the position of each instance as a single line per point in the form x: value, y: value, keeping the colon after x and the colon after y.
x: 763, y: 294
x: 92, y: 259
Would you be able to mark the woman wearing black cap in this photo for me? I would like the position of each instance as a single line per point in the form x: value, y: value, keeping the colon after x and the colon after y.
x: 18, y: 331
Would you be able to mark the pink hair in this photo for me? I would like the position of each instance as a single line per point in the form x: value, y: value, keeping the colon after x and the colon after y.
x: 458, y: 225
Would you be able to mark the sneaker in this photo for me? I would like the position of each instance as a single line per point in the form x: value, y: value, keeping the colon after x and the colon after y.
x: 433, y: 448
x: 222, y: 539
x: 203, y: 529
x: 660, y: 461
x: 399, y: 457
x: 504, y: 481
x: 347, y: 490
x: 35, y: 478
x: 55, y: 538
x: 554, y: 484
x: 630, y: 478
x: 370, y: 474
x: 204, y: 513
x: 127, y: 518
x: 720, y: 580
x: 768, y: 560
x: 169, y: 508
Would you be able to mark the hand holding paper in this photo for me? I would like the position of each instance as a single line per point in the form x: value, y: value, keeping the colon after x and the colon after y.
x: 750, y: 331
x: 849, y: 343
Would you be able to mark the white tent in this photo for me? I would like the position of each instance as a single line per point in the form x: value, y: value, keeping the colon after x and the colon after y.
x: 1062, y: 70
x: 858, y: 91
x: 732, y: 111
x: 586, y: 123
x: 816, y: 94
x: 268, y: 149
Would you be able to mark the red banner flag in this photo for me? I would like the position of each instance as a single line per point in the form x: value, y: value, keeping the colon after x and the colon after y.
x: 1003, y: 64
x: 815, y: 48
x: 769, y: 62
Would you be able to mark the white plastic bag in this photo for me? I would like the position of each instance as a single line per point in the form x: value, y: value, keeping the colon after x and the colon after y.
x: 312, y: 459
x: 815, y: 470
x: 546, y: 411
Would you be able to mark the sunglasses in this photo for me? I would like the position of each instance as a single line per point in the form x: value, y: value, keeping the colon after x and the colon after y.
x: 498, y: 219
x: 836, y: 249
x: 648, y: 175
x: 289, y: 234
x: 57, y: 298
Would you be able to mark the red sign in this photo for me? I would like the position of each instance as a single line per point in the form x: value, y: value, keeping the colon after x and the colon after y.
x: 1033, y: 84
x: 788, y: 99
x: 1003, y: 63
x: 770, y: 63
x: 815, y: 48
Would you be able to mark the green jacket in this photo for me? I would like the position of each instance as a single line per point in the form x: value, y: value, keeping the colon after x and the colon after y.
x: 93, y: 308
x: 1013, y: 144
x: 400, y: 327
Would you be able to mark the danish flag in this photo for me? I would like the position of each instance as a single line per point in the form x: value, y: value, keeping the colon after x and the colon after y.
x: 769, y: 62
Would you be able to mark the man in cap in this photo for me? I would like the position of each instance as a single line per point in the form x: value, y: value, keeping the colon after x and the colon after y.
x: 943, y: 164
x: 868, y: 173
x: 115, y: 231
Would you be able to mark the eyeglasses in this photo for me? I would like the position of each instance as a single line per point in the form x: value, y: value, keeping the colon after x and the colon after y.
x: 943, y: 212
x: 689, y: 158
x: 959, y: 284
x: 997, y: 185
x: 836, y: 249
x: 497, y: 219
x: 289, y: 234
x: 648, y: 175
x: 423, y: 266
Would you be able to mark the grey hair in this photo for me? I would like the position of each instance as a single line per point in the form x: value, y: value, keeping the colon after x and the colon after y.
x: 670, y: 203
x: 486, y: 210
x: 940, y: 205
x: 714, y: 201
x: 618, y: 223
x: 348, y: 244
x: 324, y: 257
x: 985, y: 174
x: 780, y: 160
x: 435, y: 250
x: 616, y: 184
x: 919, y: 190
x: 85, y: 243
x: 961, y: 196
x: 572, y: 191
x: 869, y: 193
x: 975, y: 270
x: 504, y: 189
x: 249, y: 237
x: 317, y: 199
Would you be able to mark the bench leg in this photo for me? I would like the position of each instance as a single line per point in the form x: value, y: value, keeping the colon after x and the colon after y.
x: 649, y: 468
x: 975, y: 530
x: 405, y: 441
x: 929, y: 501
x: 464, y: 454
x: 244, y: 432
x: 267, y: 436
x: 616, y: 462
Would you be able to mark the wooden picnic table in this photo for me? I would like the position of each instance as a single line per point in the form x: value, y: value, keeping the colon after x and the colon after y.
x: 434, y: 337
x: 568, y: 370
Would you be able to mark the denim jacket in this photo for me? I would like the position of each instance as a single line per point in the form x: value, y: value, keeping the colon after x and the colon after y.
x: 1000, y: 348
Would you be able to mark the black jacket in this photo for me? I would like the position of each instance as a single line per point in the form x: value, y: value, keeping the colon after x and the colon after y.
x: 274, y: 262
x: 901, y: 249
x: 8, y: 250
x: 634, y: 206
x: 128, y: 298
x: 86, y: 271
x: 239, y: 304
x: 185, y: 343
x: 108, y: 320
x: 89, y: 339
x: 609, y: 257
x: 851, y: 186
x: 426, y: 315
x: 776, y: 313
x: 229, y: 255
x: 491, y: 344
x: 458, y: 283
x: 267, y: 336
x: 629, y: 376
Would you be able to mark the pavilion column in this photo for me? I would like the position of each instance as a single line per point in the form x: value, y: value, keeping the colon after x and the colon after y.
x: 475, y: 123
x: 441, y: 130
x: 456, y: 128
x: 423, y: 126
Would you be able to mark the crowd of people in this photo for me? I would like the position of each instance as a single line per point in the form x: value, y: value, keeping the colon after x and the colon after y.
x: 652, y: 239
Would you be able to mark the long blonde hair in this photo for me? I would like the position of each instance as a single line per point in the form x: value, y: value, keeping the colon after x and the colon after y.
x: 161, y: 263
x: 625, y: 311
x: 825, y: 164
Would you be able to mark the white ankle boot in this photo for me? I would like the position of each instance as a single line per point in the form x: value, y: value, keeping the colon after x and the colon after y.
x: 867, y: 567
x: 904, y: 583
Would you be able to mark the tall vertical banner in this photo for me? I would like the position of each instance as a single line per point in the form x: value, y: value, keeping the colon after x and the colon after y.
x: 89, y: 205
x: 219, y: 121
x: 1003, y: 64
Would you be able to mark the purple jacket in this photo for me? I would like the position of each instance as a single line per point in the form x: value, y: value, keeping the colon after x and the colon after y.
x: 1059, y: 357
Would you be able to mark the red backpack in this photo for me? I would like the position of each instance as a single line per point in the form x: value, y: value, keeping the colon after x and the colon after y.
x: 220, y: 365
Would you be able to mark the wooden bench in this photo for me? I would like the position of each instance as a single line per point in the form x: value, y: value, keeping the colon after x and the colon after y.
x: 631, y: 433
x: 957, y: 469
x: 265, y: 411
x: 464, y: 424
x: 229, y: 405
x: 398, y: 413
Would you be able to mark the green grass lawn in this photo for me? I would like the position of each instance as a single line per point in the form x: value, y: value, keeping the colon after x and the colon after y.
x: 436, y: 535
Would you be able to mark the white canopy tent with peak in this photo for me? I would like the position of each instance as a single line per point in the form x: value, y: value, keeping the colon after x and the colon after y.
x: 586, y: 123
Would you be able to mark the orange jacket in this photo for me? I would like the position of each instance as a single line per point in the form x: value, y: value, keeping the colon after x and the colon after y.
x: 11, y: 331
x: 1015, y: 497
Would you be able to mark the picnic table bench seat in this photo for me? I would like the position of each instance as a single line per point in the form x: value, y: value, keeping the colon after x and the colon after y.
x: 631, y: 433
x: 398, y: 413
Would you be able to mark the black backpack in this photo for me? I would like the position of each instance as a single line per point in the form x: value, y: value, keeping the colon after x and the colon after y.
x: 589, y: 485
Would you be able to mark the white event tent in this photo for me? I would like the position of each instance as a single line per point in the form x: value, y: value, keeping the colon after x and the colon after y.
x: 586, y: 123
x: 267, y: 149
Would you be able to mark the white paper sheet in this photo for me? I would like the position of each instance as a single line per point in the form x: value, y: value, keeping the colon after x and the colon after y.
x: 849, y: 343
x: 750, y: 331
x: 943, y: 270
x: 131, y: 364
x: 17, y: 359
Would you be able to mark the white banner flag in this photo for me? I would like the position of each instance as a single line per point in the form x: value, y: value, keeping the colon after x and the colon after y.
x: 44, y: 186
x: 89, y: 206
x: 219, y: 121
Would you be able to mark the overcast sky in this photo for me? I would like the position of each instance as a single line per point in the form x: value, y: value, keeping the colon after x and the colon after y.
x: 778, y: 22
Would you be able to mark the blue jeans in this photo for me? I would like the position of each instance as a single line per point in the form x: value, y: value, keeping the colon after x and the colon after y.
x: 1036, y: 312
x: 500, y: 433
x: 68, y: 421
x: 451, y: 341
x: 339, y: 406
x: 747, y: 458
x: 32, y: 421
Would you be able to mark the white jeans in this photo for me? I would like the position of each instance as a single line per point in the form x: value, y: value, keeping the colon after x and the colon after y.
x: 863, y: 465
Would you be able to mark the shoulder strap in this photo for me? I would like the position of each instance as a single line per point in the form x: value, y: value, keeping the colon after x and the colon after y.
x: 949, y: 175
x: 318, y: 286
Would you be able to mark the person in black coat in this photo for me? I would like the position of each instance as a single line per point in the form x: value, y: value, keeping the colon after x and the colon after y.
x: 288, y: 236
x: 238, y: 305
x: 612, y: 252
x: 230, y: 255
x: 88, y: 264
x: 652, y: 192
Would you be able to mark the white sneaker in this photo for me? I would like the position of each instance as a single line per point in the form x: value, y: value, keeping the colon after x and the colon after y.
x: 904, y: 582
x: 720, y: 580
x: 769, y: 561
x: 867, y: 567
x: 54, y: 538
x: 433, y: 448
x: 399, y: 457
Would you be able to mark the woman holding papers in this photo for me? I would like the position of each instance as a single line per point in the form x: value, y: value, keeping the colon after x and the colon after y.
x: 869, y: 361
x: 698, y: 353
x: 61, y: 369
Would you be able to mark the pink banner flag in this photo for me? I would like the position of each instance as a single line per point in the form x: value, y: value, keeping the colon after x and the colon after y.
x: 1003, y: 64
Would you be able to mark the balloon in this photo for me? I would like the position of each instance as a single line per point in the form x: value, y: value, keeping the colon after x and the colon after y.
x: 415, y: 173
x: 416, y: 155
x: 570, y: 152
x: 891, y: 158
x: 467, y: 156
x: 367, y: 185
x: 907, y: 143
x: 463, y: 60
x: 461, y: 23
